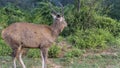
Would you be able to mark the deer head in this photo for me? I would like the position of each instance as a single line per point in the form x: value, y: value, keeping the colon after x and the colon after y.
x: 58, y: 20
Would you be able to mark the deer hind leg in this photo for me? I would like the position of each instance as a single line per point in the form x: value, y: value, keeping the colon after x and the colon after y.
x: 17, y: 54
x: 44, y: 53
x: 20, y: 58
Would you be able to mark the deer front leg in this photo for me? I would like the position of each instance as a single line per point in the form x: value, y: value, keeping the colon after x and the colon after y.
x: 14, y: 62
x: 44, y: 53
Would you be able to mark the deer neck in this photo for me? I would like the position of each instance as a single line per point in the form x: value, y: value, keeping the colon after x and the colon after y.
x: 56, y: 28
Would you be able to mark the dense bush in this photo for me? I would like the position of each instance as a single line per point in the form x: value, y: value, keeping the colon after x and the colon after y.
x: 107, y: 23
x: 4, y: 49
x: 91, y: 38
x: 82, y: 18
x: 33, y: 53
x: 41, y: 14
x: 11, y: 14
x: 74, y: 52
x: 54, y: 51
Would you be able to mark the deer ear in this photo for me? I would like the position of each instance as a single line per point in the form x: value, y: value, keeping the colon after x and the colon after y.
x: 53, y: 15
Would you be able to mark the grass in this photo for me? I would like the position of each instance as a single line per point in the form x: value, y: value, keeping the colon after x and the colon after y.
x: 106, y: 59
x: 86, y: 62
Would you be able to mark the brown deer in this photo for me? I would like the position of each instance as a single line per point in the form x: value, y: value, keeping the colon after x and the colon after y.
x: 23, y: 35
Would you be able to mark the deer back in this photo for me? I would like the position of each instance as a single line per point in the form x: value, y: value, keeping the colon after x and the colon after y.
x: 30, y: 35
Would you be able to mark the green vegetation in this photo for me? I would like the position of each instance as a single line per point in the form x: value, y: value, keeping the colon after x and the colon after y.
x: 92, y: 25
x: 54, y: 51
x: 4, y: 49
x: 33, y: 53
x: 92, y: 35
x: 75, y: 52
x: 91, y: 38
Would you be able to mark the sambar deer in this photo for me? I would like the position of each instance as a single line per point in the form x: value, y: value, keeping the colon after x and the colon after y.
x: 23, y: 35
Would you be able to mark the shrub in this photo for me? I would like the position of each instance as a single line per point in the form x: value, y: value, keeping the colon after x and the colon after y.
x: 91, y: 38
x: 108, y: 23
x: 54, y: 51
x: 4, y: 49
x: 33, y: 53
x: 74, y: 52
x: 10, y: 14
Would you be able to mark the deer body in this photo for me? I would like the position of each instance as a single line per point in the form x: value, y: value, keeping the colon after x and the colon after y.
x: 27, y: 35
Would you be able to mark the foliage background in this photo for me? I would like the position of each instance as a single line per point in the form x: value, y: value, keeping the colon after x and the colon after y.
x: 91, y: 23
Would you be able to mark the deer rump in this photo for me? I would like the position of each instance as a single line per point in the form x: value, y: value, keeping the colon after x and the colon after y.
x: 28, y: 35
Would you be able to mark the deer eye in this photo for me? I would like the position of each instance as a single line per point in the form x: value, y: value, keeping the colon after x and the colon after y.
x: 58, y: 16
